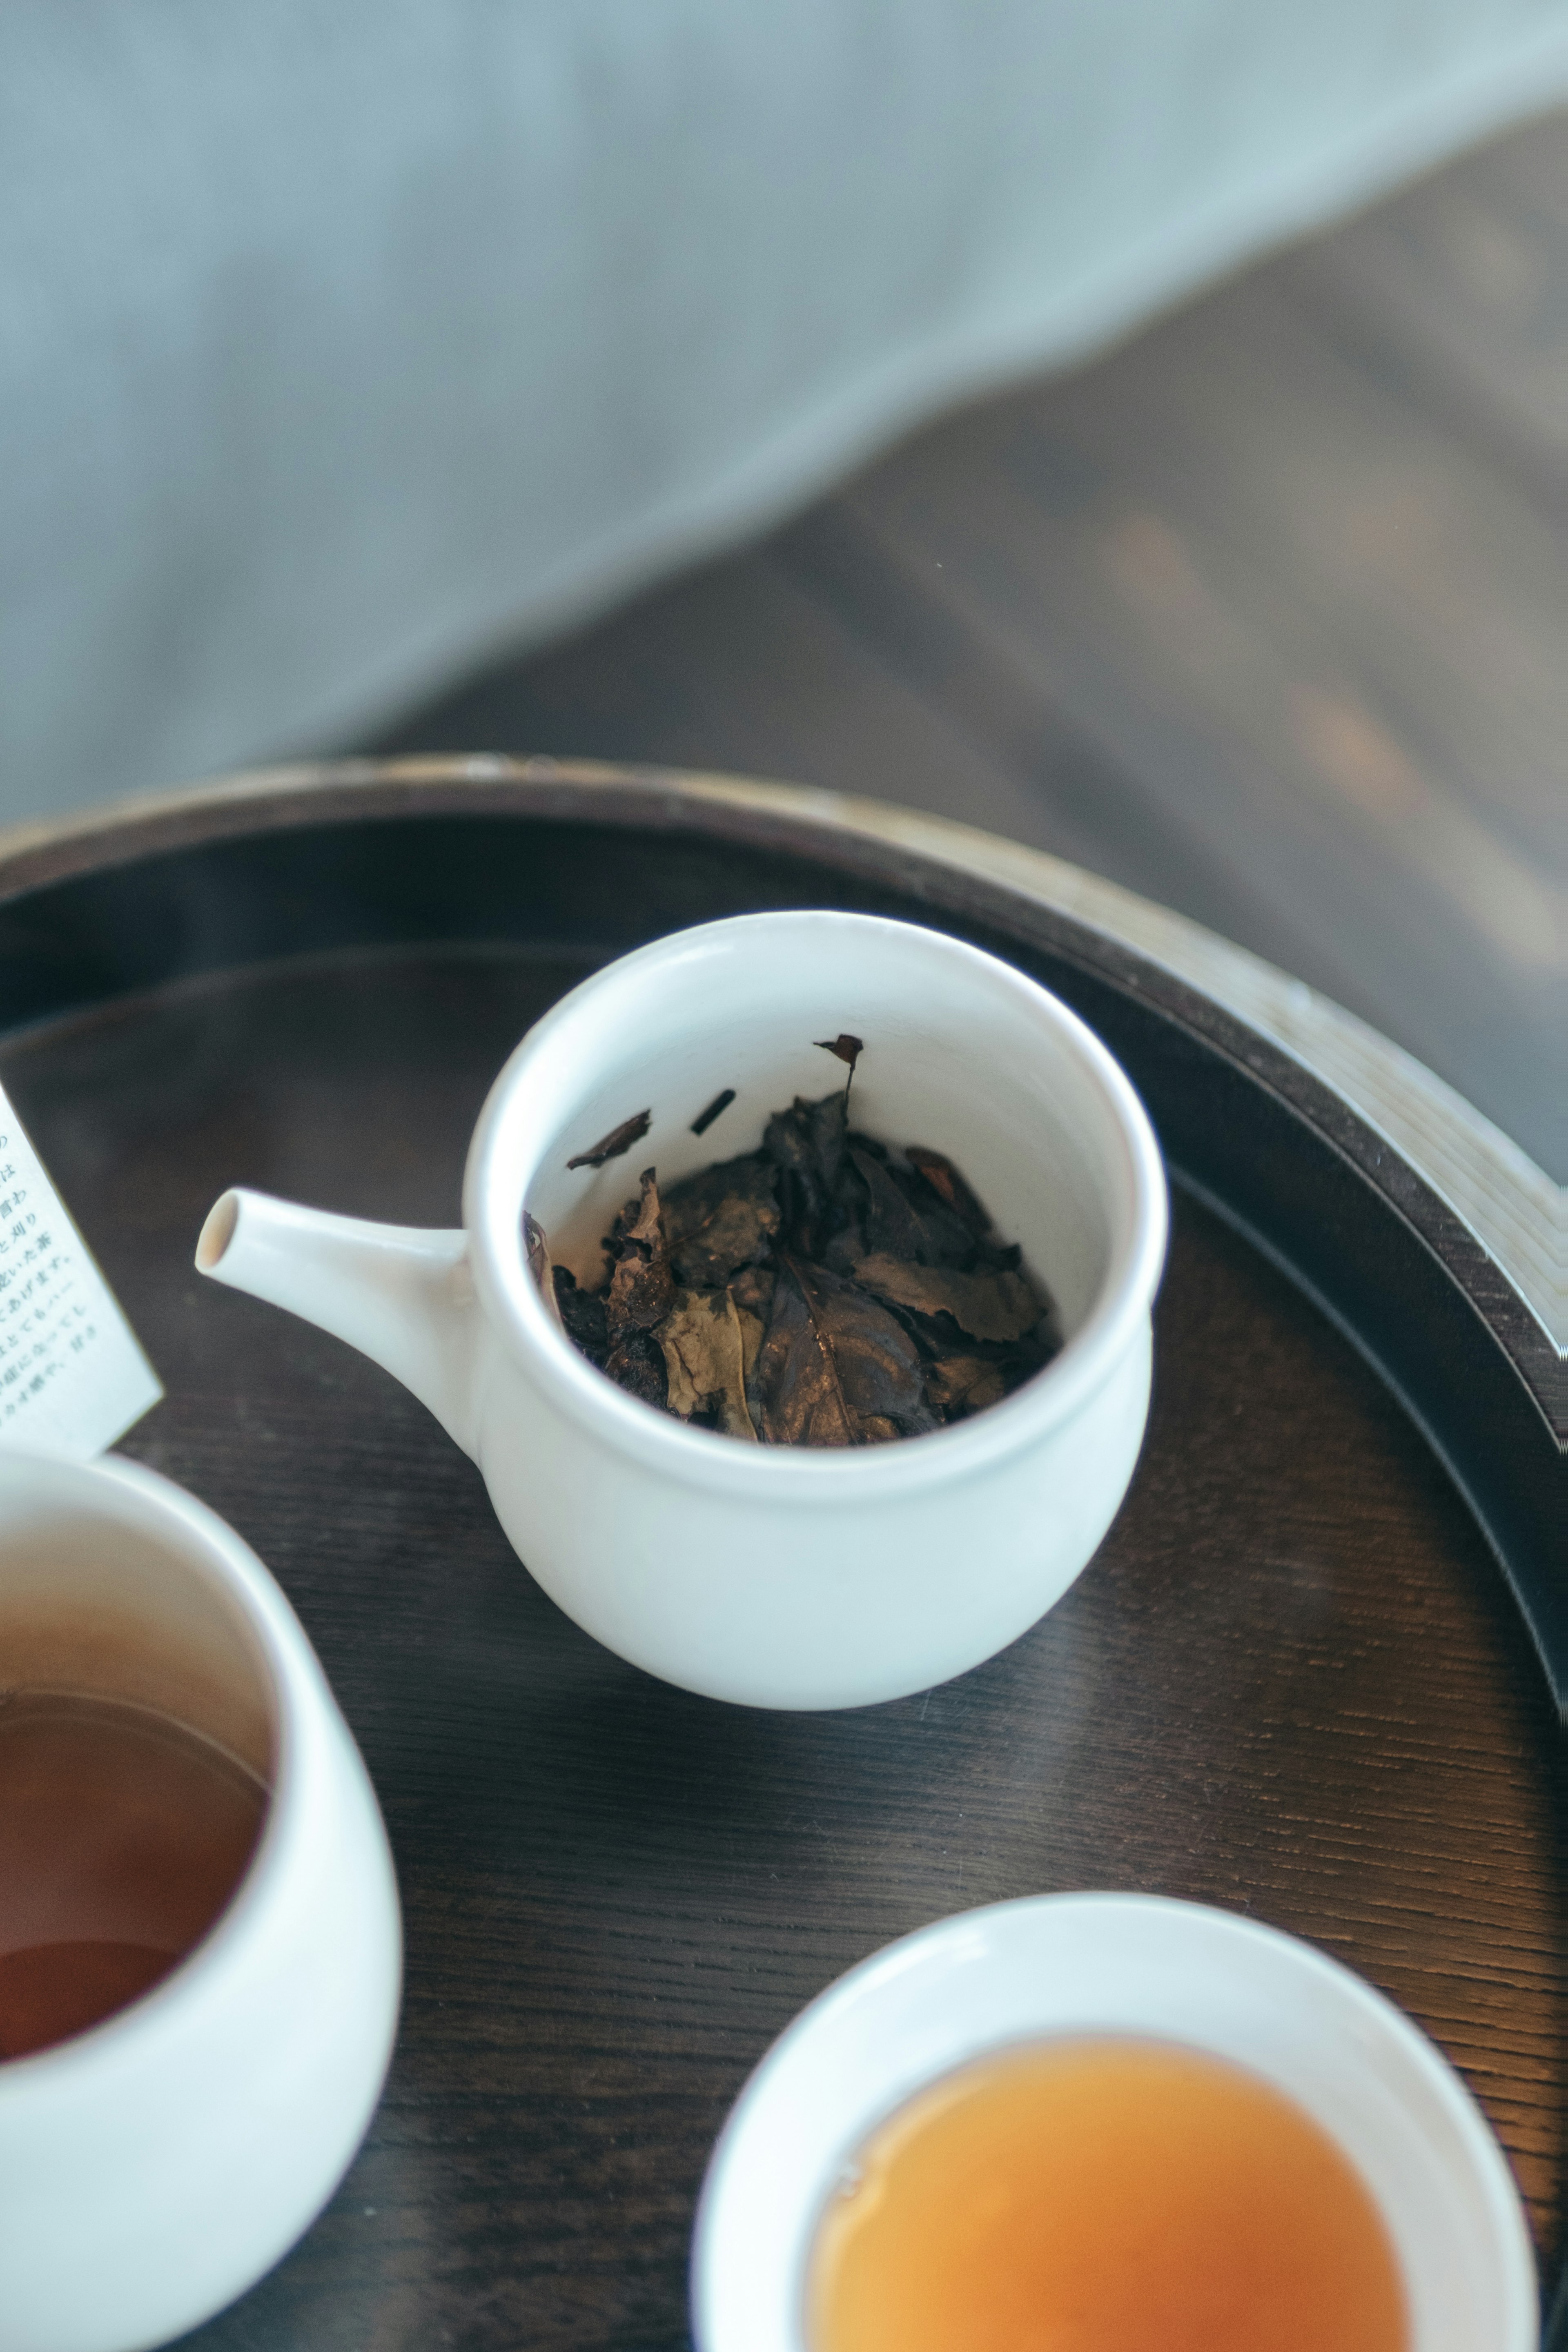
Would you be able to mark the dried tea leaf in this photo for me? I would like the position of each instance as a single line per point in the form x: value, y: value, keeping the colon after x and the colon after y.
x: 957, y: 1385
x: 824, y: 1285
x: 720, y: 1103
x: 926, y: 1231
x: 536, y: 1249
x: 619, y: 1138
x: 752, y: 1290
x: 753, y: 1331
x: 796, y: 1379
x: 642, y: 1290
x: 581, y: 1314
x: 806, y: 1144
x: 848, y: 1049
x: 878, y: 1363
x: 722, y: 1220
x: 945, y: 1180
x: 635, y: 1363
x: 704, y: 1355
x: 844, y: 1249
x: 986, y: 1306
x: 832, y: 1358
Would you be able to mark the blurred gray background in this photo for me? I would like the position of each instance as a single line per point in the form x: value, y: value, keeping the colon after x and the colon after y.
x: 562, y: 377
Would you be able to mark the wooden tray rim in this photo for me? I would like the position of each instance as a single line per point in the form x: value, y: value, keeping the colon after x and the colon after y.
x: 1509, y: 1206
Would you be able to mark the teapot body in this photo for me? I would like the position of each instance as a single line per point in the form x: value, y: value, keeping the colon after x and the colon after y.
x: 774, y: 1576
x: 799, y: 1599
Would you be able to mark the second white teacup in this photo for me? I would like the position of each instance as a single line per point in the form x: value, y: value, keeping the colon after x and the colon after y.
x: 1011, y: 1974
x: 154, y: 2165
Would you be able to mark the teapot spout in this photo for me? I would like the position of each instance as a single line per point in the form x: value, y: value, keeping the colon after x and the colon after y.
x: 400, y: 1294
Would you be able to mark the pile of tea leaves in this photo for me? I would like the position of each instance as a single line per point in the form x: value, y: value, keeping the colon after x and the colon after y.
x: 821, y: 1291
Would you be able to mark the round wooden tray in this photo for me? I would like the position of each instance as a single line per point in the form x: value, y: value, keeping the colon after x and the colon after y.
x: 1303, y: 1678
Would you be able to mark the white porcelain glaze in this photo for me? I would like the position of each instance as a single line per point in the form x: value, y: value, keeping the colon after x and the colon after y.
x: 1070, y: 1964
x: 154, y: 2167
x: 773, y: 1576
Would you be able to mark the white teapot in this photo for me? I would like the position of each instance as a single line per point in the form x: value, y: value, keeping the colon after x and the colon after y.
x: 775, y: 1576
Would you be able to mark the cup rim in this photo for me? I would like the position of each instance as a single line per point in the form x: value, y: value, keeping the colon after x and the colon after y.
x: 282, y: 1650
x: 493, y: 1204
x: 1378, y: 2014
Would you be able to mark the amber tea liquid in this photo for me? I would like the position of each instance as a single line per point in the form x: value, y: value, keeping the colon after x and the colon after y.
x: 1104, y: 2196
x: 122, y: 1837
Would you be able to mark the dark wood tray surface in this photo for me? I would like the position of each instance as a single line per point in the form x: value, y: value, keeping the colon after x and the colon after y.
x: 1293, y: 1682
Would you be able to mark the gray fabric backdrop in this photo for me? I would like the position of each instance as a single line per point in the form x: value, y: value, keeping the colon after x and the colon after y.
x: 340, y: 345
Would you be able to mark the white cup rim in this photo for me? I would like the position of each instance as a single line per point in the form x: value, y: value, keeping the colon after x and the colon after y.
x: 500, y: 1160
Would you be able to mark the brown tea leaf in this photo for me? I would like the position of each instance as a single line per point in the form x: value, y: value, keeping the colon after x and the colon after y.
x: 704, y: 1355
x: 987, y: 1306
x: 797, y: 1381
x: 806, y: 1144
x: 753, y: 1331
x: 963, y: 1384
x: 635, y: 1363
x: 582, y: 1316
x: 824, y: 1282
x: 925, y: 1230
x: 878, y: 1363
x: 832, y: 1358
x: 945, y: 1180
x: 721, y: 1103
x: 845, y: 1250
x: 848, y: 1049
x: 619, y: 1138
x: 642, y: 1290
x: 752, y: 1289
x: 722, y: 1220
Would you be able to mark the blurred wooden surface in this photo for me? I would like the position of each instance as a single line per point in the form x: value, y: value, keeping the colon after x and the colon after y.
x: 1265, y: 615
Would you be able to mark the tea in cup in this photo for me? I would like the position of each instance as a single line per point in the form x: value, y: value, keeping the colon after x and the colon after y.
x: 199, y: 1939
x: 123, y: 1837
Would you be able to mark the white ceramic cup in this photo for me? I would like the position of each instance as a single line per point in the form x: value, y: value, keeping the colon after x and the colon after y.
x: 1113, y: 1964
x: 154, y: 2166
x: 778, y: 1576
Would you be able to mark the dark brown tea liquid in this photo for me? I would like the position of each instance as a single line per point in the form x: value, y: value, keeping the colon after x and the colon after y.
x: 122, y: 1837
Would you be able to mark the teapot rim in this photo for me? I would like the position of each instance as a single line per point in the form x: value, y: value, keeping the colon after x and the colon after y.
x: 500, y: 1167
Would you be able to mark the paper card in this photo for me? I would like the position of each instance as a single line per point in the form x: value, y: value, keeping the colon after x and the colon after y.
x: 72, y: 1374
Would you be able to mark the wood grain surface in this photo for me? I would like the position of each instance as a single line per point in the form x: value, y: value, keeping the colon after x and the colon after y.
x: 1291, y: 1684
